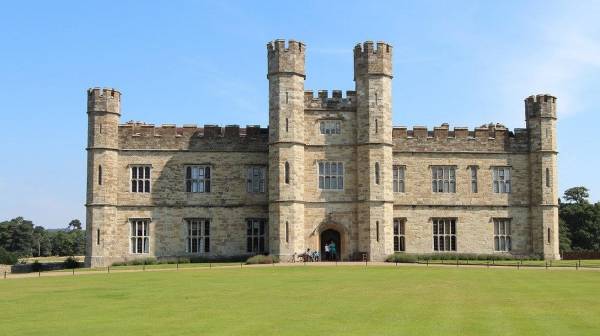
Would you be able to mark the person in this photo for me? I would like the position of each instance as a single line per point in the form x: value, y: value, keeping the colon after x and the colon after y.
x: 332, y: 250
x: 326, y: 251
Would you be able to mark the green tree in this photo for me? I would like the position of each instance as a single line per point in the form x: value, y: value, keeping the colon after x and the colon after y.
x: 16, y: 236
x: 577, y: 195
x: 75, y: 224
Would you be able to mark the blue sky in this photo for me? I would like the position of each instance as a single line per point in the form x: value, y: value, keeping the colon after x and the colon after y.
x: 462, y: 62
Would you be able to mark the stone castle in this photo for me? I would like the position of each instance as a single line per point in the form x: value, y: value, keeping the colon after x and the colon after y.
x: 328, y: 168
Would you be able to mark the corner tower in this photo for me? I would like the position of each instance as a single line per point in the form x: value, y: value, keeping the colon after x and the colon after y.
x: 373, y: 78
x: 104, y: 111
x: 286, y: 147
x: 540, y: 115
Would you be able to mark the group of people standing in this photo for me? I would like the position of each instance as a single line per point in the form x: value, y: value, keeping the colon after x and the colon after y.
x: 330, y: 251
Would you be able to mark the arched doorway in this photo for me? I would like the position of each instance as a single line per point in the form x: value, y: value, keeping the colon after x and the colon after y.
x: 328, y: 236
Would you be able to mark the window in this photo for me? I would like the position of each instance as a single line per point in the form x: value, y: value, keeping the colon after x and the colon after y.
x: 444, y: 234
x: 399, y: 178
x: 287, y: 172
x: 376, y: 126
x: 287, y: 125
x: 549, y: 236
x: 256, y: 235
x: 331, y: 175
x: 548, y: 177
x: 377, y: 230
x: 287, y: 232
x: 140, y: 236
x: 473, y: 179
x: 502, y: 241
x: 97, y: 236
x: 140, y: 179
x: 501, y: 179
x: 376, y: 172
x: 197, y: 179
x: 330, y: 126
x: 256, y: 179
x: 100, y: 175
x: 198, y: 235
x: 399, y: 238
x: 443, y: 179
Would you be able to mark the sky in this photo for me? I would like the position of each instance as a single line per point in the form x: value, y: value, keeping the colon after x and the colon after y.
x: 462, y: 62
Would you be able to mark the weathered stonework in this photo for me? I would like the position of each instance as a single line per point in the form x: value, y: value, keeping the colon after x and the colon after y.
x: 299, y: 212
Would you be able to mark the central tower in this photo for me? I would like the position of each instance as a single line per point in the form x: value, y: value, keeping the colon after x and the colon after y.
x: 286, y: 147
x: 373, y: 78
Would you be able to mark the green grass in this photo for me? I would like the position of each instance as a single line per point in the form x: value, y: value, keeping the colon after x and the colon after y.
x: 305, y: 300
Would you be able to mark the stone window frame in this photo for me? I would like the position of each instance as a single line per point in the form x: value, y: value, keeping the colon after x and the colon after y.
x: 135, y: 181
x: 255, y: 236
x: 330, y: 126
x: 399, y: 182
x: 191, y: 181
x: 501, y: 179
x: 399, y: 232
x: 139, y: 240
x: 449, y: 240
x: 502, y: 234
x: 447, y: 179
x: 322, y: 176
x: 198, y: 232
x: 250, y: 183
x: 474, y: 178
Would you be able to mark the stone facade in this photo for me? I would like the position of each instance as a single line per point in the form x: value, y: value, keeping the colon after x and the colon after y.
x: 296, y: 210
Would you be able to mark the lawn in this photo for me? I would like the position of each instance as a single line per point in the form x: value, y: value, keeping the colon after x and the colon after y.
x: 306, y: 300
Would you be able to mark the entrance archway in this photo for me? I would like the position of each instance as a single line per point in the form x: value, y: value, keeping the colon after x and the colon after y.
x: 328, y: 236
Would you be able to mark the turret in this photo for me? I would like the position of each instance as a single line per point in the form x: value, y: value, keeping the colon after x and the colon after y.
x: 286, y: 150
x: 540, y: 115
x: 373, y: 78
x: 104, y: 110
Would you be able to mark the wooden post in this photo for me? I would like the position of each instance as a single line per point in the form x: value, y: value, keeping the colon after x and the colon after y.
x: 73, y: 270
x: 4, y: 274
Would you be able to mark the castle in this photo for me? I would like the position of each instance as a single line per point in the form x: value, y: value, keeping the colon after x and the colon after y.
x: 328, y: 168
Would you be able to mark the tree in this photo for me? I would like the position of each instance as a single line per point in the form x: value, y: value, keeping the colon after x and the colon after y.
x: 75, y: 224
x: 42, y: 245
x: 16, y: 236
x: 577, y: 195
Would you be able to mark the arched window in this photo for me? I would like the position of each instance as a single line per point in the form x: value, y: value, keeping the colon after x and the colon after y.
x: 376, y: 172
x: 287, y: 232
x: 287, y: 172
x: 548, y: 177
x: 377, y: 230
x: 99, y: 174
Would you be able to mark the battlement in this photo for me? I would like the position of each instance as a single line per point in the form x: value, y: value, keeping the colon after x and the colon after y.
x: 104, y: 100
x: 543, y: 105
x: 285, y: 59
x: 140, y: 129
x: 369, y: 59
x: 280, y: 45
x: 484, y: 132
x: 334, y: 102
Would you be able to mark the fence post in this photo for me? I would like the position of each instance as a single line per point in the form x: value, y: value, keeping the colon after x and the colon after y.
x: 177, y: 263
x: 427, y: 262
x: 108, y: 269
x: 576, y: 266
x: 210, y: 265
x: 518, y: 266
x: 241, y: 264
x: 4, y: 274
x: 546, y: 264
x: 144, y: 266
x: 39, y: 274
x: 456, y: 262
x: 73, y: 270
x: 488, y: 264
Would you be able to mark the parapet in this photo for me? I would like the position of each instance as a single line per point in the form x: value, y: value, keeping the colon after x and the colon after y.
x: 286, y: 59
x: 541, y: 105
x: 140, y: 129
x: 104, y: 100
x: 334, y: 102
x: 490, y: 137
x: 371, y: 60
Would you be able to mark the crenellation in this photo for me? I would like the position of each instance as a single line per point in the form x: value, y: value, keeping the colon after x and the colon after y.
x: 325, y: 101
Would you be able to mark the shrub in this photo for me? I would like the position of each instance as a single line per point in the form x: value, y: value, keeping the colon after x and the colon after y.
x: 262, y: 259
x: 7, y: 258
x: 36, y: 266
x: 71, y: 262
x: 401, y: 258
